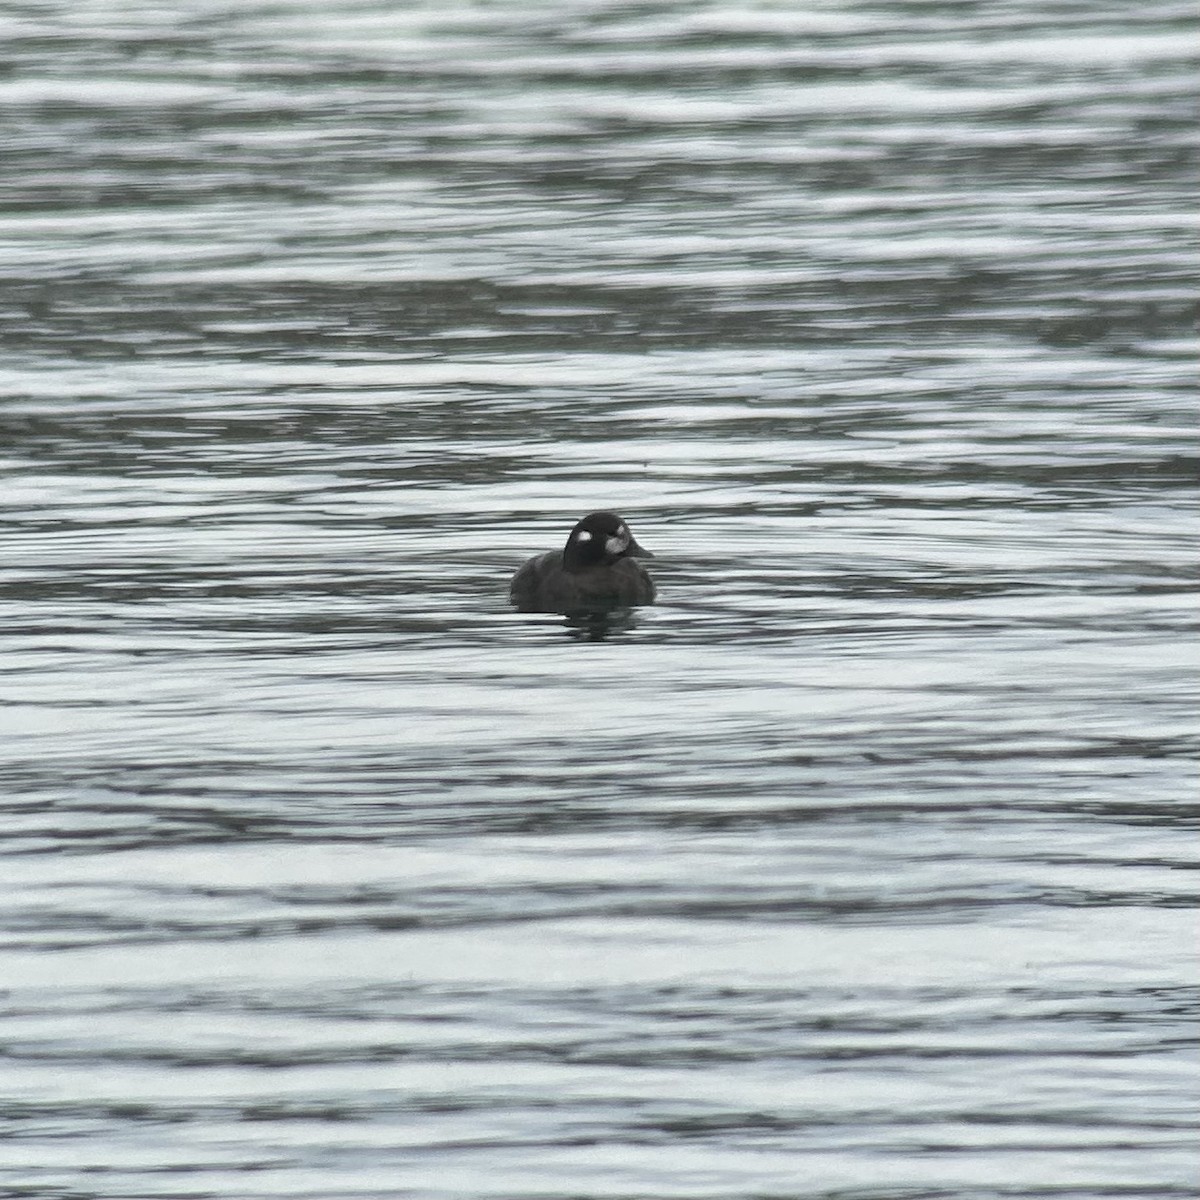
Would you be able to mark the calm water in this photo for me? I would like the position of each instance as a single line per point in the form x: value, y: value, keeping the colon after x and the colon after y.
x: 860, y: 867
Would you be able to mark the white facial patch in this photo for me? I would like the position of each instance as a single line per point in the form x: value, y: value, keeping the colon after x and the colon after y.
x: 583, y: 536
x: 619, y: 543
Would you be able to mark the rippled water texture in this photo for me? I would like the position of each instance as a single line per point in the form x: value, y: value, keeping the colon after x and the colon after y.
x: 862, y: 865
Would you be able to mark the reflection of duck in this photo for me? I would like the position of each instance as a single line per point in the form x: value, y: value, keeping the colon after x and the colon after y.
x: 595, y: 570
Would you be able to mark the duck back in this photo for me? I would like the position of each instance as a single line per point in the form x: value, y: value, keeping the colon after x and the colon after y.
x: 543, y: 584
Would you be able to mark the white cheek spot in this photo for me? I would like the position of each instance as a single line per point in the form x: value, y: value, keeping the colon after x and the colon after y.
x: 616, y: 545
x: 583, y: 536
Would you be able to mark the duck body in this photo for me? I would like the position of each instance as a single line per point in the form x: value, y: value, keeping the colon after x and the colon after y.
x: 597, y: 570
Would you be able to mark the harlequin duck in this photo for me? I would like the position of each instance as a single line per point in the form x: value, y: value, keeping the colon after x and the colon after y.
x: 596, y: 570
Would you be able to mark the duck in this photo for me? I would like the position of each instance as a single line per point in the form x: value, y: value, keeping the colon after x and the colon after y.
x: 596, y: 570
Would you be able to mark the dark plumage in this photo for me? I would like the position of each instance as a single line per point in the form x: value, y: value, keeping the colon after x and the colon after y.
x: 596, y: 570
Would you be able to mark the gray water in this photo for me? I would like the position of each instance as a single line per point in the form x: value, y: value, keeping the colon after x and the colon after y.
x: 860, y: 866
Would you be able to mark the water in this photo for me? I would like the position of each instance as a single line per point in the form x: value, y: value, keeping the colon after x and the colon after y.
x: 862, y: 865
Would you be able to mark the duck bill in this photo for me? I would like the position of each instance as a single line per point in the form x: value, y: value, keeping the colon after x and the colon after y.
x: 636, y: 551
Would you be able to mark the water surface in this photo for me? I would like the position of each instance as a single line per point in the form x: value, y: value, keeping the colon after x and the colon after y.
x: 862, y: 865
